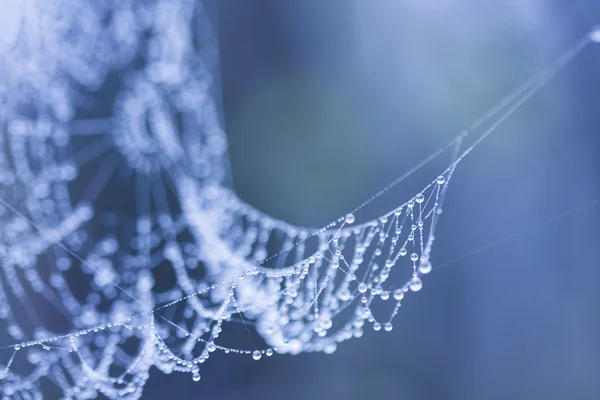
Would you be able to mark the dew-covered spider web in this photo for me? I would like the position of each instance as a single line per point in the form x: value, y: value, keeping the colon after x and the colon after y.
x: 97, y: 289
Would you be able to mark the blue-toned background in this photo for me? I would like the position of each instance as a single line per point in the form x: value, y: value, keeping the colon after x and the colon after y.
x: 326, y: 102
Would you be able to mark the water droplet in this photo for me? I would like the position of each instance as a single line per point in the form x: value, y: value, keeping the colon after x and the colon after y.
x: 256, y: 355
x: 330, y: 348
x: 420, y: 198
x: 344, y: 295
x: 440, y: 180
x: 376, y: 326
x: 362, y: 287
x: 196, y: 377
x: 403, y: 251
x: 388, y: 326
x: 349, y: 218
x: 398, y: 294
x: 366, y: 312
x: 415, y: 284
x: 425, y: 267
x: 414, y: 257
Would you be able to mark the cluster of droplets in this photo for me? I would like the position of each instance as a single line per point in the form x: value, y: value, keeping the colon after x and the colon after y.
x: 292, y: 305
x: 297, y: 296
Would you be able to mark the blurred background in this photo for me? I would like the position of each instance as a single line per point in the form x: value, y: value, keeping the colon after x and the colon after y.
x: 324, y: 103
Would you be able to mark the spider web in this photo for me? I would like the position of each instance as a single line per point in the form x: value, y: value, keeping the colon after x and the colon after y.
x: 97, y: 289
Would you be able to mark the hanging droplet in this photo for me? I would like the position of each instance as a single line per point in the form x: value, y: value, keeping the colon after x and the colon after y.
x: 366, y: 312
x: 420, y: 198
x: 403, y: 251
x: 414, y: 257
x: 388, y: 326
x: 376, y: 326
x: 425, y: 267
x: 398, y: 294
x: 384, y: 274
x: 595, y: 35
x: 415, y: 284
x: 350, y: 218
x: 196, y: 377
x: 440, y: 180
x: 362, y: 287
x: 256, y: 355
x: 330, y: 348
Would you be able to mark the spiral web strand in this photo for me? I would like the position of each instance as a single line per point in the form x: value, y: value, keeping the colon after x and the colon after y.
x: 93, y: 292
